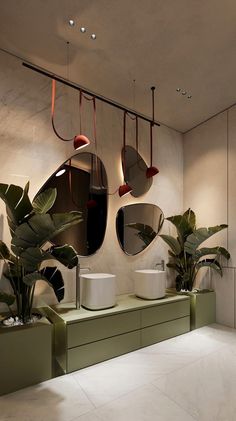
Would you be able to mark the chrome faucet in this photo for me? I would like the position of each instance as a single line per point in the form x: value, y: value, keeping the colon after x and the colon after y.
x: 79, y: 269
x: 161, y: 263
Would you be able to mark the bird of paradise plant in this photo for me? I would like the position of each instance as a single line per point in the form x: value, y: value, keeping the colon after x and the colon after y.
x: 32, y: 229
x: 186, y: 258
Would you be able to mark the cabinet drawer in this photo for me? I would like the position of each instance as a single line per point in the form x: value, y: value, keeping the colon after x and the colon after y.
x: 103, y: 327
x: 153, y: 334
x: 93, y: 353
x: 163, y: 313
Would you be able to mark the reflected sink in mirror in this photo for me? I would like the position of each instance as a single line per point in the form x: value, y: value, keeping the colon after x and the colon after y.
x: 150, y: 284
x: 98, y: 291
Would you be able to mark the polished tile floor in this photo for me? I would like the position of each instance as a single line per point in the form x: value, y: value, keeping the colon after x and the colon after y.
x: 191, y: 377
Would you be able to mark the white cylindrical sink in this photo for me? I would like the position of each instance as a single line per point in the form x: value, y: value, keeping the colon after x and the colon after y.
x: 150, y: 284
x: 98, y: 291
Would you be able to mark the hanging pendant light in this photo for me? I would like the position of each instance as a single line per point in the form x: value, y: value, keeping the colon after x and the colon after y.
x: 151, y: 171
x: 80, y: 141
x: 125, y: 188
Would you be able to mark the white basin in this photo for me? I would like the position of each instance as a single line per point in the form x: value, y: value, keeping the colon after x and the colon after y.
x: 98, y: 290
x: 150, y: 283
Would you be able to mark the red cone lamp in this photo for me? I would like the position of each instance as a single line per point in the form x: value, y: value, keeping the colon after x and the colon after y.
x: 124, y: 190
x: 151, y: 171
x: 80, y: 141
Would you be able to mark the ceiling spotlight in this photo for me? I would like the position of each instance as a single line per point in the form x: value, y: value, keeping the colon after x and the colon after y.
x: 83, y: 30
x: 189, y: 96
x: 93, y: 36
x: 71, y: 22
x: 184, y: 93
x: 178, y: 90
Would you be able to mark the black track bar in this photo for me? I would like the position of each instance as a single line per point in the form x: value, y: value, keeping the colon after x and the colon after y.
x: 86, y: 91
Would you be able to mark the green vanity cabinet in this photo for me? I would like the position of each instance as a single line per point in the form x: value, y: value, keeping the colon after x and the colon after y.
x: 83, y: 337
x: 25, y: 355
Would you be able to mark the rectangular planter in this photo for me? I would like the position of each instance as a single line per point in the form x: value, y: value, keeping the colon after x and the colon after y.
x: 25, y: 355
x: 202, y: 307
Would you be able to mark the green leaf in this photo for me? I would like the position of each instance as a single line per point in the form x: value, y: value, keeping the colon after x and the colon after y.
x: 175, y: 267
x: 65, y: 254
x: 212, y: 263
x: 191, y: 218
x: 52, y: 276
x: 7, y: 298
x: 26, y: 189
x: 198, y: 236
x: 4, y: 251
x: 182, y: 225
x: 44, y: 201
x: 32, y: 257
x: 17, y: 202
x: 41, y: 228
x: 172, y: 243
x: 205, y: 251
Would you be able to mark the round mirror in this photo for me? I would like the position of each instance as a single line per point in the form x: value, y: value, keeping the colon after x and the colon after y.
x: 81, y: 184
x: 137, y: 225
x: 135, y: 171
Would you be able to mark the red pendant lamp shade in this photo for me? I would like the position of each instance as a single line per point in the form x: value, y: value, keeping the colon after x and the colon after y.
x: 124, y: 188
x: 151, y: 171
x: 80, y: 141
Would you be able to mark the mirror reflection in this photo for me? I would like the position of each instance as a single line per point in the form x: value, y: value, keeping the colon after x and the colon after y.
x: 135, y: 171
x: 137, y: 225
x: 81, y: 184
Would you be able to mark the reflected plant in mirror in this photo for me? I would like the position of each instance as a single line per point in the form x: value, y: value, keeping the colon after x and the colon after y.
x: 135, y: 172
x: 137, y: 225
x: 81, y: 184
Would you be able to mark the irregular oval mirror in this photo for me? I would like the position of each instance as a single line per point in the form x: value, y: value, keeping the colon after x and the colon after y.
x: 137, y: 225
x: 81, y: 184
x: 135, y: 172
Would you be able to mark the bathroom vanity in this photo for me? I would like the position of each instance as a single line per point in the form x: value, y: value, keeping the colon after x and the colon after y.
x: 83, y: 337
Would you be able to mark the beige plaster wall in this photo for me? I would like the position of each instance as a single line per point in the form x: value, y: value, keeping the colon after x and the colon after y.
x: 30, y: 151
x: 210, y: 189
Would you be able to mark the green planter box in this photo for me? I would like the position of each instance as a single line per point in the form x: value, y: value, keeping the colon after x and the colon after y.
x: 25, y: 355
x: 202, y: 307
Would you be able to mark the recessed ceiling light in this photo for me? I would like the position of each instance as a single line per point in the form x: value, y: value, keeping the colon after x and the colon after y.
x: 189, y: 96
x: 178, y: 89
x: 93, y: 36
x: 71, y: 22
x: 83, y: 30
x: 184, y: 93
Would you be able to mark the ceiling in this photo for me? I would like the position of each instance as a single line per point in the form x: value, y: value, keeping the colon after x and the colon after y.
x: 187, y: 44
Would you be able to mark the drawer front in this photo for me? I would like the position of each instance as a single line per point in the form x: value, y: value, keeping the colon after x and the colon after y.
x: 103, y: 327
x: 165, y: 312
x: 96, y: 352
x: 153, y: 334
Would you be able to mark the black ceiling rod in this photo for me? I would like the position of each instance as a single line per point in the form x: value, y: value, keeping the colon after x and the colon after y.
x: 86, y: 91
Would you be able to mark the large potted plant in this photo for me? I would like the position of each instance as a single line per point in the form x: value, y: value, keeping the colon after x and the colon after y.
x: 25, y: 350
x: 187, y: 259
